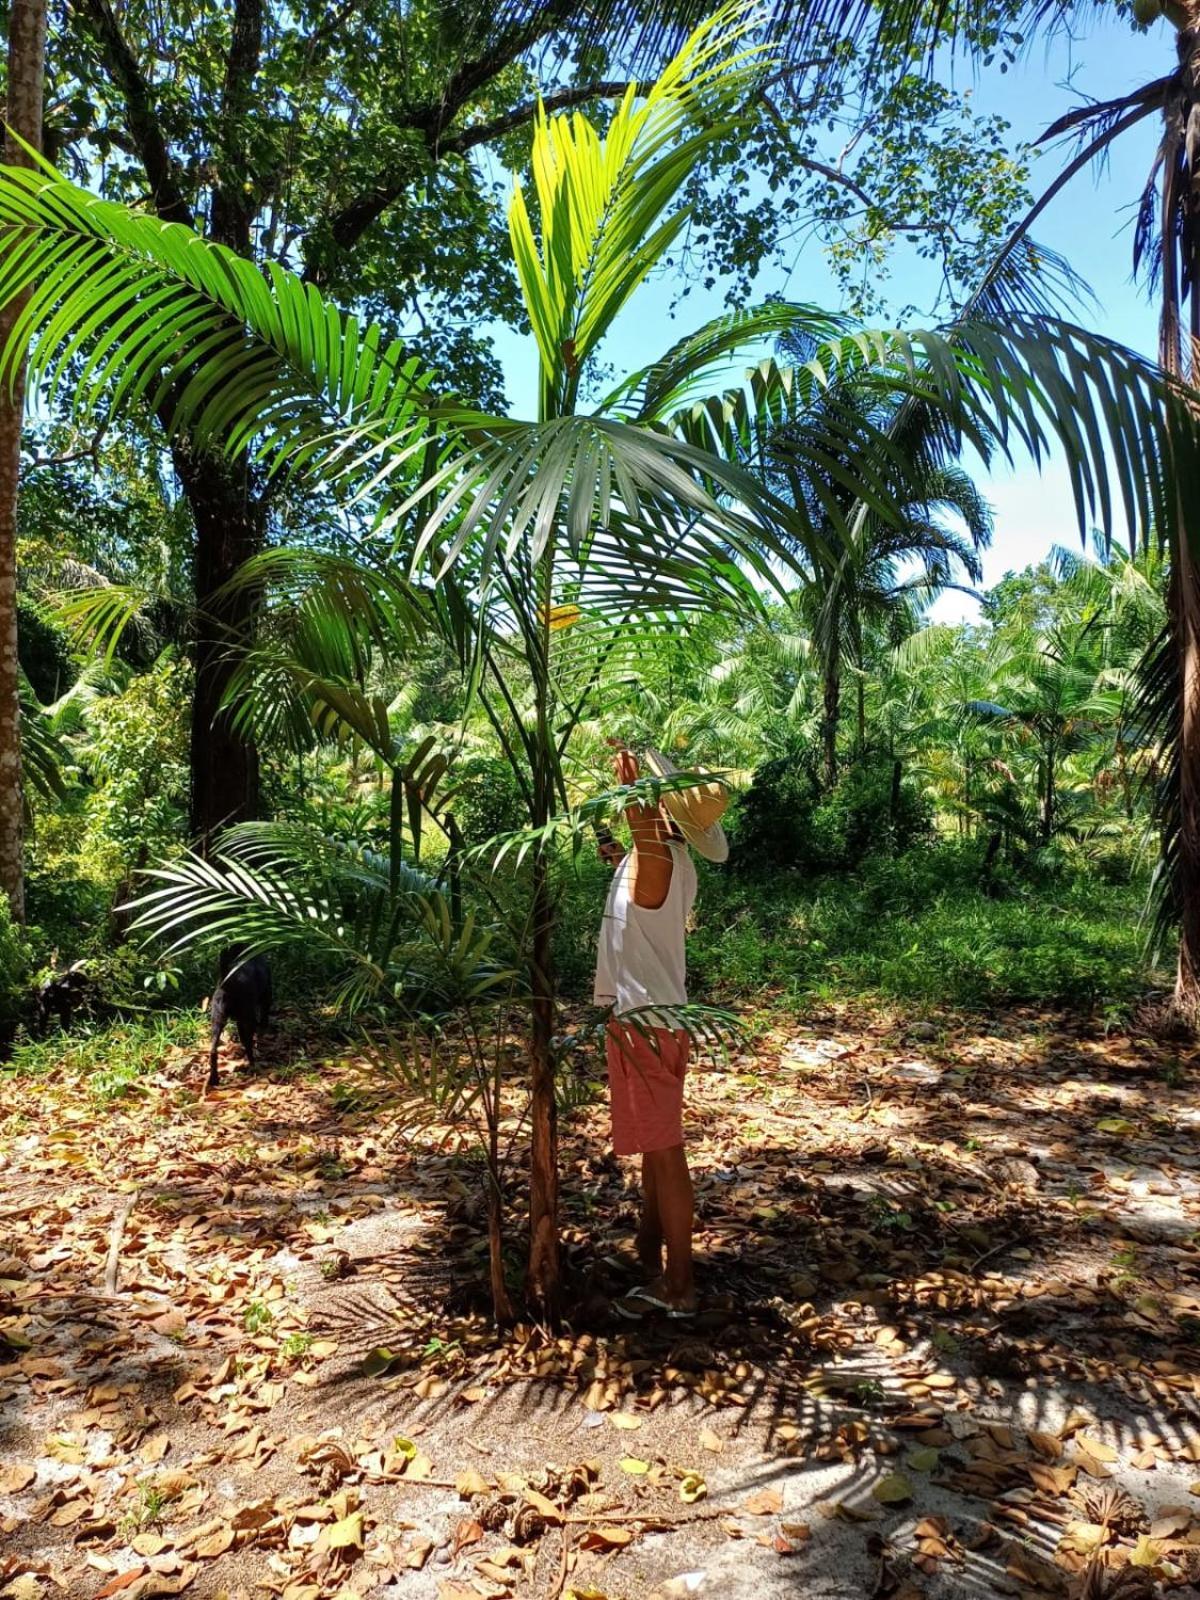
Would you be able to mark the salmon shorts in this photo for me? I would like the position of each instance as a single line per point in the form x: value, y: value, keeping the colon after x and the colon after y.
x: 645, y: 1086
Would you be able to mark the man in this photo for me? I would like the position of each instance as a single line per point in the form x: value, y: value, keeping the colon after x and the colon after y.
x: 641, y: 965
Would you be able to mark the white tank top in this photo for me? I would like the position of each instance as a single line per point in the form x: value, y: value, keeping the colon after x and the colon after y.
x: 641, y: 960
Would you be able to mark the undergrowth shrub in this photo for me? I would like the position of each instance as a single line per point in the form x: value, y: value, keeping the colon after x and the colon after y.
x: 16, y: 968
x: 487, y: 799
x: 785, y: 821
x: 919, y: 930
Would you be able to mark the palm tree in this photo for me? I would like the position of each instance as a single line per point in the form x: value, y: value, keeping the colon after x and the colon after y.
x: 874, y: 589
x: 1122, y: 596
x: 1049, y: 697
x: 860, y: 573
x: 548, y: 550
x: 759, y: 698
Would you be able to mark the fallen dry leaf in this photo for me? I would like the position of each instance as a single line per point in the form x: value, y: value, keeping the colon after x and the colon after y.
x: 763, y: 1503
x: 894, y: 1490
x: 605, y: 1538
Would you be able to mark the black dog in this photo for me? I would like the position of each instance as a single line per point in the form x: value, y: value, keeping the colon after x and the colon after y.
x: 63, y: 995
x: 243, y: 994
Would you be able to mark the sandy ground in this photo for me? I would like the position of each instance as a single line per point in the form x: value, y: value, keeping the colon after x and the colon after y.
x: 949, y: 1342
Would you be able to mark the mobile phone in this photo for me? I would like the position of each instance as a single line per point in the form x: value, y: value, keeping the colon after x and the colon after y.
x: 605, y: 841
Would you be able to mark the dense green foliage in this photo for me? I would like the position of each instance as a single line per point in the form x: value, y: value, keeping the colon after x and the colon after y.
x: 919, y: 932
x: 786, y: 821
x: 360, y: 715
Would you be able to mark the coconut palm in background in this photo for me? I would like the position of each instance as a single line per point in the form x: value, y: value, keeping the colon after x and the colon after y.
x: 883, y: 574
x: 1024, y: 726
x: 551, y: 553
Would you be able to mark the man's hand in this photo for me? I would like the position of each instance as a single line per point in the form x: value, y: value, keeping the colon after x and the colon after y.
x: 625, y: 763
x: 652, y: 862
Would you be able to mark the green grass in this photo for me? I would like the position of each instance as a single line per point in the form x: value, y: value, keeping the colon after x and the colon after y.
x: 112, y: 1057
x: 917, y: 931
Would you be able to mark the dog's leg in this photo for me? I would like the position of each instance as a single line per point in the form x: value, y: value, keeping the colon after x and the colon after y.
x: 245, y: 1033
x: 220, y: 1016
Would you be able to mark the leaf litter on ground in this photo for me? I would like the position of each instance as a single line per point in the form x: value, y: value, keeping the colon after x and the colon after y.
x: 890, y: 1258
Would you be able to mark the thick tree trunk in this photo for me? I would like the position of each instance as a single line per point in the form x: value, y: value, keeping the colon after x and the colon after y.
x: 224, y: 765
x: 26, y: 75
x: 228, y: 527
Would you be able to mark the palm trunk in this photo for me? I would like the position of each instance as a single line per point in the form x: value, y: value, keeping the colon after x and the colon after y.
x: 544, y: 1257
x: 544, y: 1280
x: 1184, y: 593
x: 832, y: 699
x: 861, y: 731
x: 26, y: 74
x: 1185, y: 619
x: 501, y: 1304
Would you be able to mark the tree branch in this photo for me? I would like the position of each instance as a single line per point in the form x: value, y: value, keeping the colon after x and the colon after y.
x: 896, y: 224
x: 473, y: 75
x: 232, y: 209
x: 88, y: 452
x: 351, y: 222
x: 144, y: 127
x: 557, y: 100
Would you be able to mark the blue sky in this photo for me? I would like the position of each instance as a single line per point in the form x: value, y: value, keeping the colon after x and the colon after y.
x: 1090, y: 223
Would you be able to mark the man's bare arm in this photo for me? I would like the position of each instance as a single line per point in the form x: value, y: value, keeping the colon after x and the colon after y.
x: 652, y: 860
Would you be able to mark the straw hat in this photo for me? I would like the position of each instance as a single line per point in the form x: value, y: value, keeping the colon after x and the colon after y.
x: 697, y: 811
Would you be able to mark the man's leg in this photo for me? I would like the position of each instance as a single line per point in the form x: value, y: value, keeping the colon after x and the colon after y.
x: 650, y: 1229
x: 672, y: 1187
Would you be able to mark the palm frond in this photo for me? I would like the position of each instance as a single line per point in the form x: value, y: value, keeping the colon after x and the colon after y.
x: 125, y: 310
x: 601, y: 200
x: 388, y: 928
x: 44, y: 755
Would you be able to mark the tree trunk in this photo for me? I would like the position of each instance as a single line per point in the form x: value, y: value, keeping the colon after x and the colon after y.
x: 1183, y: 606
x: 832, y: 706
x: 1048, y: 801
x: 501, y: 1304
x: 1185, y: 620
x: 544, y: 1262
x: 224, y: 765
x: 26, y: 75
x: 544, y: 1281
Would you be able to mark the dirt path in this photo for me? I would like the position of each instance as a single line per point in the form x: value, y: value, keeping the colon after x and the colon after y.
x: 950, y: 1341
